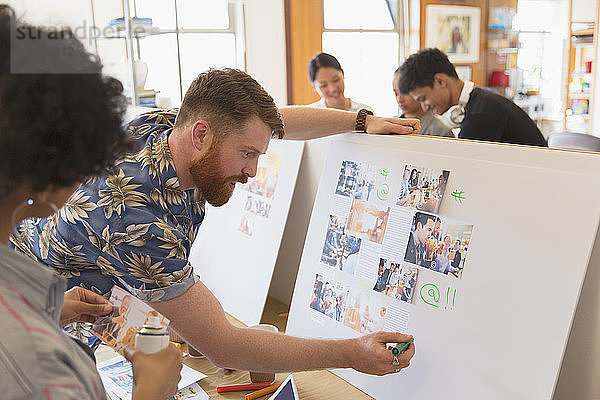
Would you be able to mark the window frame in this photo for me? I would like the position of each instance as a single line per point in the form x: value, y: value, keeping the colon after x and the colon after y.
x: 401, y: 27
x: 236, y: 27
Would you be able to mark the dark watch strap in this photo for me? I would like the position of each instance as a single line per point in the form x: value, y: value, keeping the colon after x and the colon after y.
x: 361, y: 120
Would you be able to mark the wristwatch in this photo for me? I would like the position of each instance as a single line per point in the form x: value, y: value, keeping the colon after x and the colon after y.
x: 361, y: 119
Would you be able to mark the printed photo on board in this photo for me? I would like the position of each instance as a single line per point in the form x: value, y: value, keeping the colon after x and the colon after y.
x: 440, y: 246
x: 447, y: 251
x: 368, y: 220
x: 364, y: 313
x: 340, y: 250
x: 267, y: 174
x: 395, y: 280
x: 421, y: 230
x: 356, y: 180
x: 258, y: 206
x: 328, y: 298
x: 422, y: 188
x: 246, y: 226
x: 352, y: 307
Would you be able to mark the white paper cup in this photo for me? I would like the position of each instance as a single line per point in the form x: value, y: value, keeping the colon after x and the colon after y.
x: 162, y: 101
x: 263, y: 376
x: 193, y: 353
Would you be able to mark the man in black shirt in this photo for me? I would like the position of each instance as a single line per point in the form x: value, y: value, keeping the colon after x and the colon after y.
x: 383, y: 275
x: 430, y: 78
x: 421, y: 231
x: 457, y: 255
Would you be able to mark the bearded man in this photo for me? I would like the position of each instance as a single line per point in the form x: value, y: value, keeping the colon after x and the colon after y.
x: 134, y: 226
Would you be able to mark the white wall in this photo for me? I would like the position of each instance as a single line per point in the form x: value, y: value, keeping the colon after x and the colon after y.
x: 76, y: 14
x: 70, y: 13
x: 265, y: 46
x: 584, y: 10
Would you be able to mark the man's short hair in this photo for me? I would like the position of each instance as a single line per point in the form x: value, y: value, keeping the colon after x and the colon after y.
x: 227, y: 98
x: 419, y: 68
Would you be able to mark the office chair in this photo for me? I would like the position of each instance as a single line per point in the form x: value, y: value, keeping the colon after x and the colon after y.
x: 574, y: 141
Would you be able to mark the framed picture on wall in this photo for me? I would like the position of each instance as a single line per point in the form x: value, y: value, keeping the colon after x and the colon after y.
x: 465, y: 72
x: 455, y: 31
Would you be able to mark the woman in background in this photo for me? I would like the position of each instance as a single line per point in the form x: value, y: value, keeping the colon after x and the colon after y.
x: 413, y: 181
x: 327, y: 78
x: 60, y: 123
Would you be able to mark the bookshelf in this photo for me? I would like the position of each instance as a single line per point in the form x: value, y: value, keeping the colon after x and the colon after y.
x: 580, y: 79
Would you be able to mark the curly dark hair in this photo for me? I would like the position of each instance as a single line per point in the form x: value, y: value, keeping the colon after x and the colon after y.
x: 419, y: 68
x: 59, y: 126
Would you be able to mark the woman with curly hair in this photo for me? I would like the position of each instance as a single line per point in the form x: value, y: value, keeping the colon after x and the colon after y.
x: 60, y: 122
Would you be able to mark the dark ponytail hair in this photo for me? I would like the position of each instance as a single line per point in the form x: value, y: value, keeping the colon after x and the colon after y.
x: 322, y: 60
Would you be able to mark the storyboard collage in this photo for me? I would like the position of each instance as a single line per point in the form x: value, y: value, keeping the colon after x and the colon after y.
x: 386, y: 248
x: 261, y: 190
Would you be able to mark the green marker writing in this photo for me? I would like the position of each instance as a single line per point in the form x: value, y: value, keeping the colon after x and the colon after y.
x: 401, y: 347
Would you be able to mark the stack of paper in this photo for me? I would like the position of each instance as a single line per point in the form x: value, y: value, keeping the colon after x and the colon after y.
x: 117, y: 378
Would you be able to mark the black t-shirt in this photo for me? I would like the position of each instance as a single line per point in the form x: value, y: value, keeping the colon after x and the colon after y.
x: 494, y: 118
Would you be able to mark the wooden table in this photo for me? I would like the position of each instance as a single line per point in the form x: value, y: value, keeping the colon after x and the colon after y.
x: 312, y: 385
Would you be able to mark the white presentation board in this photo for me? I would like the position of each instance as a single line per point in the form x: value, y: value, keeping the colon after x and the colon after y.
x: 236, y: 247
x: 493, y: 325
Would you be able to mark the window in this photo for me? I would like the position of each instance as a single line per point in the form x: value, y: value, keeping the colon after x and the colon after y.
x: 186, y: 38
x: 542, y: 29
x: 357, y: 14
x: 366, y: 38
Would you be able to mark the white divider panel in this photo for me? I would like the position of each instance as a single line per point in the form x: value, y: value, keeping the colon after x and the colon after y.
x: 496, y: 330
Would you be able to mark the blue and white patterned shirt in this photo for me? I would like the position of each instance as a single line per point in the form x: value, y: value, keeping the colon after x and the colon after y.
x: 133, y: 227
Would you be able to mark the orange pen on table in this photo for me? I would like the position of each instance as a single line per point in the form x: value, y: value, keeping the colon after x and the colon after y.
x: 262, y: 392
x: 242, y: 387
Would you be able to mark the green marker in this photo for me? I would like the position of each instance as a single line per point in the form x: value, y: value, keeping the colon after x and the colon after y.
x: 401, y: 347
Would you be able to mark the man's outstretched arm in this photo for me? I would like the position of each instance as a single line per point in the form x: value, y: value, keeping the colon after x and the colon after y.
x: 200, y: 319
x: 304, y: 123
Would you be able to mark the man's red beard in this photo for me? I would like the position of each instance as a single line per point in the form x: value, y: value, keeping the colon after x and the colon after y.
x: 209, y: 178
